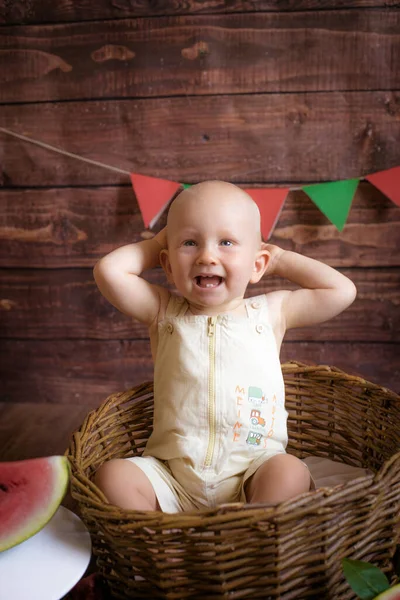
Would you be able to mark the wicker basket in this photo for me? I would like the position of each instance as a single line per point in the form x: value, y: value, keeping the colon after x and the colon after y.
x: 253, y: 551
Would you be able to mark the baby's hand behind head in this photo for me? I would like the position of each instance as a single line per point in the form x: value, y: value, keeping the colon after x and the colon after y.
x: 161, y: 238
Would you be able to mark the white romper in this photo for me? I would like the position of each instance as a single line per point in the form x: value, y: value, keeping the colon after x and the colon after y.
x: 218, y: 405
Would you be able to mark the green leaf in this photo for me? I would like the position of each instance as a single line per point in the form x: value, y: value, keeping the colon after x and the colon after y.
x: 366, y: 580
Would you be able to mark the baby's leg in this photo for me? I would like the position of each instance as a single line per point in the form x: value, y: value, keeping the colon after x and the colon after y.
x: 280, y: 478
x: 125, y: 485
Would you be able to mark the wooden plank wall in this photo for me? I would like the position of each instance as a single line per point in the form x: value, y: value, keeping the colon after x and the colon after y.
x: 262, y: 93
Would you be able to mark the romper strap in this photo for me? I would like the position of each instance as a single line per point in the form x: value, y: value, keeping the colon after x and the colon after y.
x: 176, y: 307
x: 257, y: 307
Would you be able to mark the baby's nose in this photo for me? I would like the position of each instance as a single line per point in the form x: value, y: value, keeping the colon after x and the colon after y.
x: 206, y: 256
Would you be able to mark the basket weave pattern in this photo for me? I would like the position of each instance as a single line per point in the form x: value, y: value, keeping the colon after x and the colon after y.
x: 237, y: 551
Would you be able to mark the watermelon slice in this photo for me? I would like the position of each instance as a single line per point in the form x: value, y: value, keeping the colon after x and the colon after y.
x: 30, y: 493
x: 392, y: 593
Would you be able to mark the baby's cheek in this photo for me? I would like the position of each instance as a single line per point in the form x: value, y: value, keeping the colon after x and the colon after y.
x: 242, y: 271
x: 235, y: 277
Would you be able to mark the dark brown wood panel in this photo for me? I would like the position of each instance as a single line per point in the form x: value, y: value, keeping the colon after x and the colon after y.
x: 74, y: 227
x: 370, y: 238
x: 34, y: 430
x: 73, y: 372
x: 255, y: 138
x: 85, y: 372
x: 221, y: 54
x: 66, y: 227
x: 379, y: 363
x: 54, y: 304
x: 48, y: 11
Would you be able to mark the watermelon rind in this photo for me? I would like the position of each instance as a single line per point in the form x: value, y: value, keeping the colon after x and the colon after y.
x: 392, y: 593
x: 36, y: 522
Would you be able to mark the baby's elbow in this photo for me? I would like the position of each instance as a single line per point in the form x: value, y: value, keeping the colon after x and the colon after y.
x: 349, y: 293
x: 96, y: 270
x: 100, y: 272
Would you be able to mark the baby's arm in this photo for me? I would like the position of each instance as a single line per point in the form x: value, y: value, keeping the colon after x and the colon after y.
x: 118, y: 278
x: 325, y: 292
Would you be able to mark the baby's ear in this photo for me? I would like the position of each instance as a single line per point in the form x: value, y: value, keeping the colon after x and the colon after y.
x: 166, y: 265
x: 260, y: 265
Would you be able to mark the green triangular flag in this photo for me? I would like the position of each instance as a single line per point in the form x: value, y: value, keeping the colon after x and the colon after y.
x: 186, y: 185
x: 333, y: 199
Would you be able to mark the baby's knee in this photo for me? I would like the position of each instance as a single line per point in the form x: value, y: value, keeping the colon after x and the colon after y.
x: 292, y: 471
x: 282, y: 476
x: 108, y: 473
x: 125, y: 485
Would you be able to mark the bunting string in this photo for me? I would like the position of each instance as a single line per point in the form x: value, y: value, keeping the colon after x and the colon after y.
x: 64, y: 152
x: 333, y: 199
x: 100, y: 164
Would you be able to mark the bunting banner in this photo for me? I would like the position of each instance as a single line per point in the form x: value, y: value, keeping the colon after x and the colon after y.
x: 270, y: 202
x: 387, y: 182
x: 153, y: 196
x: 333, y: 198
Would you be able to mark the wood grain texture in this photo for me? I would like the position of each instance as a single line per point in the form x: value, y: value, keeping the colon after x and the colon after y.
x: 66, y: 304
x: 74, y: 227
x: 266, y: 138
x: 71, y: 371
x: 253, y: 93
x: 270, y: 52
x: 48, y: 11
x: 30, y: 430
x: 85, y: 372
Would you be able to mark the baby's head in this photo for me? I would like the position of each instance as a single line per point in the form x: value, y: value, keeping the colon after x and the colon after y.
x: 214, y: 244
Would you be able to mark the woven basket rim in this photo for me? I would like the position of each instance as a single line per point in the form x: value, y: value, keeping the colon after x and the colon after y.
x: 291, y: 540
x: 336, y: 372
x: 309, y: 500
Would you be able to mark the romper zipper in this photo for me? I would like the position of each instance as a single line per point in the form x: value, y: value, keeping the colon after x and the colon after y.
x: 211, y: 389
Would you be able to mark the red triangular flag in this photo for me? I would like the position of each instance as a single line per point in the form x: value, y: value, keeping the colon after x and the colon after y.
x: 270, y: 202
x: 388, y: 182
x: 153, y: 196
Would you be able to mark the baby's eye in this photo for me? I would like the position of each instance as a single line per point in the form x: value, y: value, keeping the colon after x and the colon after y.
x: 189, y: 243
x: 226, y: 243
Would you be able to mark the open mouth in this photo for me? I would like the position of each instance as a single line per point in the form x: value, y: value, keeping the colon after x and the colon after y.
x: 208, y: 281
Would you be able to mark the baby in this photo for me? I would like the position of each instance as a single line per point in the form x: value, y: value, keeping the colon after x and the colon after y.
x: 220, y: 430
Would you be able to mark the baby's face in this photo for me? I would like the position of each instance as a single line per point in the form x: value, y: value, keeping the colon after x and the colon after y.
x: 213, y: 243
